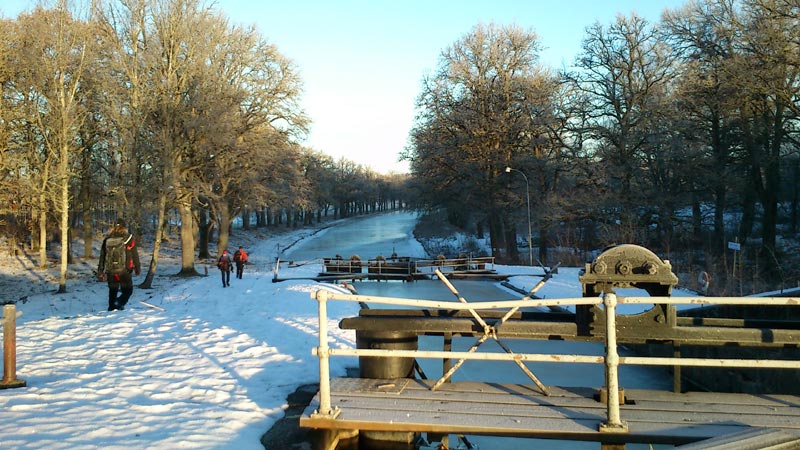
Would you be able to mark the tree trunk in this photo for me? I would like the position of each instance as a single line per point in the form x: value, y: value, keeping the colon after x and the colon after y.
x: 162, y: 212
x: 748, y: 207
x: 697, y: 219
x: 86, y: 213
x: 769, y: 195
x: 795, y: 194
x: 510, y: 233
x: 718, y: 244
x: 204, y: 229
x: 496, y: 238
x: 88, y: 237
x: 187, y: 240
x: 544, y: 243
x: 224, y: 227
x: 720, y: 186
x: 245, y: 219
x: 63, y: 173
x: 42, y: 232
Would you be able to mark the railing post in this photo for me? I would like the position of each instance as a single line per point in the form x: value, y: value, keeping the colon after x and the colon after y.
x: 10, y: 379
x: 324, y: 358
x: 676, y: 369
x: 613, y: 424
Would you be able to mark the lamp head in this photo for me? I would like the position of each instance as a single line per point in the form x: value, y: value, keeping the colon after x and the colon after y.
x: 508, y: 169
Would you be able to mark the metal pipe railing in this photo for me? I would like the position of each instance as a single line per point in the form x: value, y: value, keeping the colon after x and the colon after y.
x: 323, y: 353
x: 611, y: 359
x: 613, y: 423
x: 442, y: 354
x: 746, y: 301
x: 525, y: 302
x: 467, y: 262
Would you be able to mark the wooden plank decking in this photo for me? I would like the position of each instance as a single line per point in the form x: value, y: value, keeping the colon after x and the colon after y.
x: 569, y: 413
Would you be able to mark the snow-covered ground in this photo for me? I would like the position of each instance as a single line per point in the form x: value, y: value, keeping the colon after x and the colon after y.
x: 206, y: 367
x: 187, y: 364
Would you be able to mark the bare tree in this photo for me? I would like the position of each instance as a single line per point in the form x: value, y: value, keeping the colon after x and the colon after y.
x: 703, y: 38
x: 60, y: 42
x: 770, y: 77
x: 249, y: 103
x: 624, y: 70
x: 481, y: 108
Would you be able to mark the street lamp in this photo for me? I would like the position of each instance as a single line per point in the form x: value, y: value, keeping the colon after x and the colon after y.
x: 528, y: 197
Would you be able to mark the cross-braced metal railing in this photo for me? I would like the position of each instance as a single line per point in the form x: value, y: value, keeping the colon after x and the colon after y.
x: 490, y: 331
x: 611, y: 359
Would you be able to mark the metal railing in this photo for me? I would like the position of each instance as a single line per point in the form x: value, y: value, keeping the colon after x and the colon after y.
x: 343, y: 265
x: 394, y: 266
x: 406, y: 265
x: 456, y: 264
x: 611, y: 359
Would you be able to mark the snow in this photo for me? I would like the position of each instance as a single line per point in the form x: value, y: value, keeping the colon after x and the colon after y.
x: 202, y: 367
x: 209, y: 367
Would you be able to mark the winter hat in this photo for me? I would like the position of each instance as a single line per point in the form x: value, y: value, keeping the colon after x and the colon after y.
x: 225, y: 252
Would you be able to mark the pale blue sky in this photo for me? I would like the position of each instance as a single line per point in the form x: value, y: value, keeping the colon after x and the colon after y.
x: 362, y: 61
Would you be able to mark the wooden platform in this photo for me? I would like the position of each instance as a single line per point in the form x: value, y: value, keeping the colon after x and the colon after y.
x: 569, y: 413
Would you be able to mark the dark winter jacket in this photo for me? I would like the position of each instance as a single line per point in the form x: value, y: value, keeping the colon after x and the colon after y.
x: 131, y: 253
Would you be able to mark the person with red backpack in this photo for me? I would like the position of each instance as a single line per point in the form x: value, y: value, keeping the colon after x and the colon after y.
x: 225, y: 266
x: 240, y: 258
x: 119, y: 256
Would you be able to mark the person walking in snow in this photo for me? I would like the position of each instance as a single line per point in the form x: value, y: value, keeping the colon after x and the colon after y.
x: 119, y: 257
x: 225, y: 266
x: 240, y: 259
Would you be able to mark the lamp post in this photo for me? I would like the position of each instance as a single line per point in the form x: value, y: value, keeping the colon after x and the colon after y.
x: 528, y: 198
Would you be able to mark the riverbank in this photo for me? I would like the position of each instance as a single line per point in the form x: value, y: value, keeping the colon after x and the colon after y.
x: 286, y: 433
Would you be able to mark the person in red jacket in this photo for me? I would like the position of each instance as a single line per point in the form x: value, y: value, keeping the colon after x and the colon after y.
x: 225, y: 266
x: 240, y: 259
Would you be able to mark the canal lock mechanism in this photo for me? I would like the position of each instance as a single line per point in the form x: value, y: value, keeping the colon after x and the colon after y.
x: 657, y: 331
x: 627, y: 266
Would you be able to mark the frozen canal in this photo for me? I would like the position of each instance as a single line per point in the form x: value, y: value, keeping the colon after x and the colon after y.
x: 393, y: 232
x: 366, y: 237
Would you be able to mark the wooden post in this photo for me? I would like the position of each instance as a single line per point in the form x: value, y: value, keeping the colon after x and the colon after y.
x: 10, y: 379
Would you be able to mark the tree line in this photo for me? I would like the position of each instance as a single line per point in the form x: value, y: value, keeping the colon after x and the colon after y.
x: 158, y: 111
x: 680, y: 135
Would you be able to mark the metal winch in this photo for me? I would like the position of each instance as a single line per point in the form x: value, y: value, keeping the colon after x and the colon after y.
x: 627, y: 266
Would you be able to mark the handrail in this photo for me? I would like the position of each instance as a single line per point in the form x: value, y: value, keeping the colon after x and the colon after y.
x: 525, y: 302
x: 412, y: 264
x: 611, y: 359
x: 468, y: 261
x: 751, y: 301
